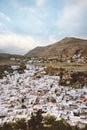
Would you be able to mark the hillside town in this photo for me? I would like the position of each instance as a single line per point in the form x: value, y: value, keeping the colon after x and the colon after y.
x: 22, y: 94
x: 43, y: 64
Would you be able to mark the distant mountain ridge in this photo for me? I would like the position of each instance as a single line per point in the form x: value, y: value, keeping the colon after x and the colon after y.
x: 6, y: 56
x: 2, y: 51
x: 34, y: 51
x: 67, y: 47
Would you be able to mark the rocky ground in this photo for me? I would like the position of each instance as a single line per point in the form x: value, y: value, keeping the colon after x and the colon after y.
x: 76, y: 79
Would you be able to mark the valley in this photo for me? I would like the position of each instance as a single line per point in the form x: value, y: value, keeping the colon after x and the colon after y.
x: 55, y: 84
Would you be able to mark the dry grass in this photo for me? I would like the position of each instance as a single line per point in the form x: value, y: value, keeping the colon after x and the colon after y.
x: 67, y: 66
x: 65, y: 48
x: 8, y: 62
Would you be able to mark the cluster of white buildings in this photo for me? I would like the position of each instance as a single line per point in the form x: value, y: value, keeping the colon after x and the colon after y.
x: 22, y: 94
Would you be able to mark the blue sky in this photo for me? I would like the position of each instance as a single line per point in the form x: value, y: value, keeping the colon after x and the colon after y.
x: 25, y: 24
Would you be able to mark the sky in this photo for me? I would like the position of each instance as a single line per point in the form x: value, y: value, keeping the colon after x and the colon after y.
x: 26, y: 24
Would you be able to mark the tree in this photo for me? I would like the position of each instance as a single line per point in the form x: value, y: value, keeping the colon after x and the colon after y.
x: 36, y: 120
x: 20, y: 124
x: 32, y: 122
x: 7, y: 126
x: 49, y: 119
x: 61, y: 125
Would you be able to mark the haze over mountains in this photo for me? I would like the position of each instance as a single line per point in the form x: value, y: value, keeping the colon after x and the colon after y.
x: 67, y: 47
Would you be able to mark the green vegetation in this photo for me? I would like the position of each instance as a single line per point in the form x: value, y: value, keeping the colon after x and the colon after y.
x: 38, y: 122
x: 49, y: 120
x: 20, y: 124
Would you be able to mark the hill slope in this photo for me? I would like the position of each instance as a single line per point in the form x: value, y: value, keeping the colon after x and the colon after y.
x: 34, y: 51
x: 6, y: 56
x: 64, y: 48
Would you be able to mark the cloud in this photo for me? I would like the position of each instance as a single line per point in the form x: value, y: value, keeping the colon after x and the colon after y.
x: 73, y: 17
x: 4, y: 16
x: 40, y: 2
x: 3, y: 27
x: 52, y: 39
x: 27, y: 9
x: 14, y: 43
x: 33, y: 19
x: 15, y: 4
x: 1, y: 24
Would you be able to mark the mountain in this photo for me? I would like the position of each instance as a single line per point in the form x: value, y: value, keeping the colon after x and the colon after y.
x: 2, y: 51
x: 6, y: 56
x: 67, y: 47
x: 34, y: 51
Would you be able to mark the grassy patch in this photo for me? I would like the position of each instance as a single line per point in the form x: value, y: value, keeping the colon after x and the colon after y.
x: 67, y: 66
x: 8, y: 62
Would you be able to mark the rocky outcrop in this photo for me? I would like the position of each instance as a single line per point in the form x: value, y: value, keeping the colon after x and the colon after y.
x: 53, y: 71
x: 69, y: 78
x: 73, y: 79
x: 7, y: 69
x: 4, y: 70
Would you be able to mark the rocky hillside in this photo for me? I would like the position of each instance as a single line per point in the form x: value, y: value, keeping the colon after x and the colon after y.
x: 77, y: 79
x: 34, y: 51
x: 62, y: 49
x: 6, y: 56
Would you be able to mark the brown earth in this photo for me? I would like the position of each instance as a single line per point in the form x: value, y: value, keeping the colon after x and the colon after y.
x: 74, y: 79
x: 62, y: 49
